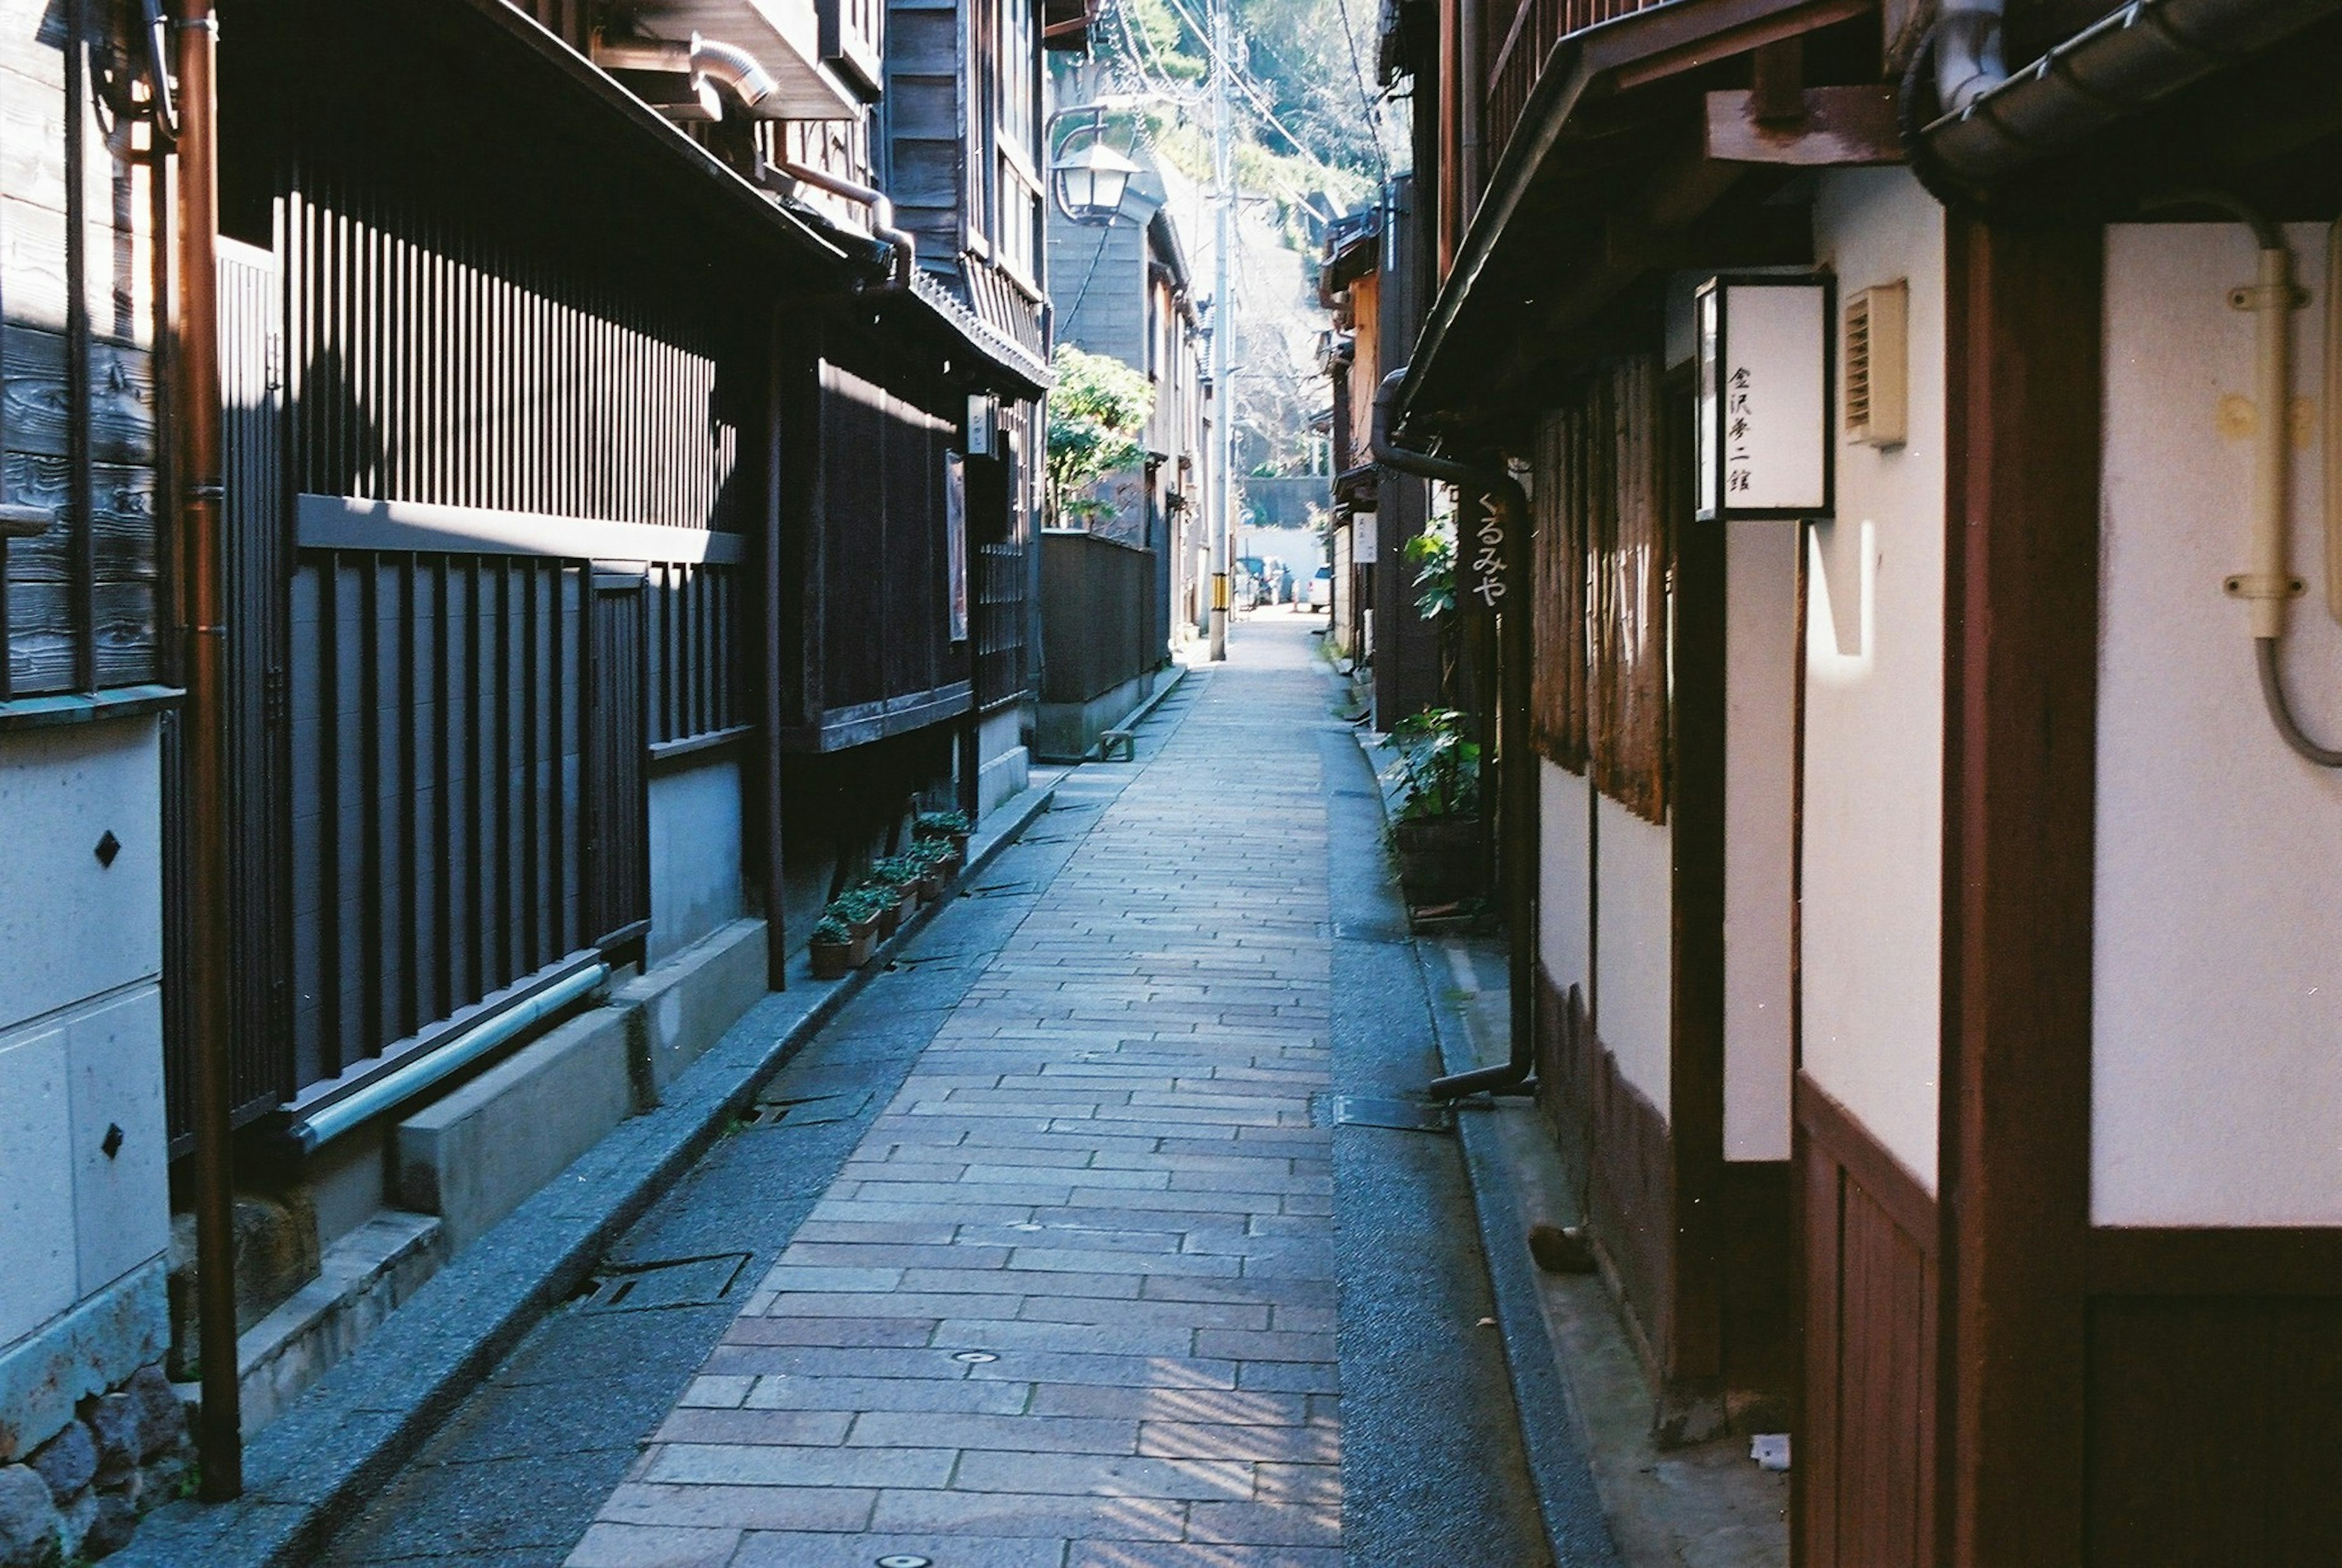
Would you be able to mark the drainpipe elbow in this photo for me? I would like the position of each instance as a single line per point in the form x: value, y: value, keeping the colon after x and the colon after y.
x: 783, y: 176
x: 729, y: 65
x: 1968, y: 56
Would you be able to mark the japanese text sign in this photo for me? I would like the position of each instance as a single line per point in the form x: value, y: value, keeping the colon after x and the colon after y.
x: 1764, y: 417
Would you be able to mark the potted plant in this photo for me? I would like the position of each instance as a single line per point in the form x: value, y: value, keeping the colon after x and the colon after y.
x: 902, y: 873
x: 949, y: 827
x: 886, y: 901
x: 832, y: 948
x: 1436, y: 833
x: 865, y: 911
x: 929, y: 858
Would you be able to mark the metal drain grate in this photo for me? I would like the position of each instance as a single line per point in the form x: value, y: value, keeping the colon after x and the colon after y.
x: 1361, y: 1111
x: 680, y: 1283
x: 808, y: 1110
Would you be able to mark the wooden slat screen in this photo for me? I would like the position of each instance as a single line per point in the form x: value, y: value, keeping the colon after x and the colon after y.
x: 1601, y: 499
x: 435, y: 361
x: 1631, y: 553
x: 1558, y: 565
x: 438, y: 753
x: 691, y: 657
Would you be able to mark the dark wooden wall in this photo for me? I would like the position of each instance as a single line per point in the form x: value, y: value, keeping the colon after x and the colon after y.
x: 1864, y: 1482
x: 471, y: 320
x: 1100, y: 617
x: 925, y: 163
x: 866, y: 537
x: 2215, y: 1389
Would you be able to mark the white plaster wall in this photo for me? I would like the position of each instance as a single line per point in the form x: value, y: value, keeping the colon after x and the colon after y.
x: 81, y: 1021
x: 1005, y: 766
x: 1760, y: 659
x: 1634, y: 954
x: 1565, y: 862
x: 695, y: 853
x: 2216, y: 1076
x: 1873, y: 864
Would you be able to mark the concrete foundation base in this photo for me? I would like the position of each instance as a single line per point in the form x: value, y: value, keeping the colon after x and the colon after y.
x: 687, y: 1003
x: 360, y: 1279
x: 1066, y: 732
x: 472, y: 1156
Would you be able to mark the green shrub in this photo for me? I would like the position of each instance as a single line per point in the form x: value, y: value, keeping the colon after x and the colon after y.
x: 1438, y: 770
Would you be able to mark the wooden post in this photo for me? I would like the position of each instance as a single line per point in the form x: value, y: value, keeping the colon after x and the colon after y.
x: 2021, y: 629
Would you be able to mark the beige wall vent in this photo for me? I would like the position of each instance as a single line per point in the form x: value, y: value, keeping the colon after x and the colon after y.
x: 1876, y: 383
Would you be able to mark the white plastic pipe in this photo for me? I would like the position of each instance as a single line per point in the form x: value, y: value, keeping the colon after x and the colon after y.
x: 2267, y: 582
x: 1968, y: 58
x: 402, y: 1084
x: 2330, y: 453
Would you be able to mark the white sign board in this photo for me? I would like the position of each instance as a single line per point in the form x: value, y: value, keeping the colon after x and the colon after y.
x: 1763, y: 408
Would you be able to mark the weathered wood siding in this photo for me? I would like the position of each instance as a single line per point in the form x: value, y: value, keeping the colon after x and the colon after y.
x: 79, y: 607
x: 871, y: 554
x: 927, y: 116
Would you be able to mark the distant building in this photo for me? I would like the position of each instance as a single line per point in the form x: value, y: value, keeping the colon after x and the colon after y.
x: 1120, y: 589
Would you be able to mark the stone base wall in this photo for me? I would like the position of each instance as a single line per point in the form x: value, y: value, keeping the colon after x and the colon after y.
x: 81, y: 1495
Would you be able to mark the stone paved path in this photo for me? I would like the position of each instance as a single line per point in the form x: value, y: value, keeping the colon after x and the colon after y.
x: 1071, y: 1301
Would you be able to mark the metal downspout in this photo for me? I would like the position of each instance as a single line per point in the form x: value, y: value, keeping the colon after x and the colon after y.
x: 204, y: 741
x: 1517, y: 779
x: 899, y: 241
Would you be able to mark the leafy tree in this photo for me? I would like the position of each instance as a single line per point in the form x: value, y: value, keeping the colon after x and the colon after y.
x: 1097, y: 413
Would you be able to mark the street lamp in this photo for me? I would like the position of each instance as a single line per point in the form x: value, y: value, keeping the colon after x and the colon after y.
x: 1090, y: 184
x: 1087, y: 176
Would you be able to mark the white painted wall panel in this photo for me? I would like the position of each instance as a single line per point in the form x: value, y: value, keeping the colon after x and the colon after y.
x: 1566, y: 861
x: 695, y: 815
x: 71, y: 927
x: 122, y: 1202
x: 2216, y: 1077
x: 37, y: 1182
x: 1875, y: 707
x: 1634, y: 954
x: 1760, y: 649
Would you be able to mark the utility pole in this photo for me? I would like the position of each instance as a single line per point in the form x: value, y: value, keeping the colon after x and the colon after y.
x: 1224, y: 323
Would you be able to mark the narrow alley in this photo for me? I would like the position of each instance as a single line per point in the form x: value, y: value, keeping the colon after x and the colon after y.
x: 1053, y: 1257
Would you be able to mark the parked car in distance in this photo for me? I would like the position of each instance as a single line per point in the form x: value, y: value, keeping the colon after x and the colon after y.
x: 1321, y: 589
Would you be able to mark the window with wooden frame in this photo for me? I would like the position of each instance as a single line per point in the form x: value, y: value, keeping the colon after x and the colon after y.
x: 1603, y: 564
x: 1015, y: 133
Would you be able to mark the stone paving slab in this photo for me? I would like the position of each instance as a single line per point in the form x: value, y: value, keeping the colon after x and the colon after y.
x: 1070, y: 1299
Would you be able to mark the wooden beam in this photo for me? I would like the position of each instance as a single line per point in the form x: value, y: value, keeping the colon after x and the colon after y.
x: 1842, y: 127
x: 2020, y: 721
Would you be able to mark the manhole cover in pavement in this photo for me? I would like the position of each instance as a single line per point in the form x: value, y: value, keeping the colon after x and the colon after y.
x: 1360, y: 1111
x: 681, y: 1282
x: 808, y: 1110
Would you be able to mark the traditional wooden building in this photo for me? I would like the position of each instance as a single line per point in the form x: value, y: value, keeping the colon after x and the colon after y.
x: 628, y: 515
x: 1910, y: 961
x: 1371, y: 277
